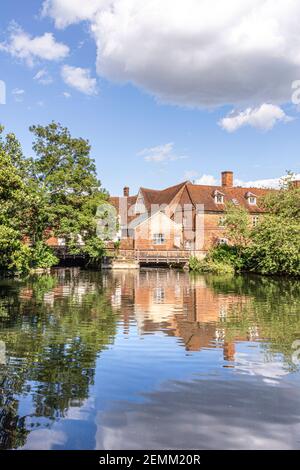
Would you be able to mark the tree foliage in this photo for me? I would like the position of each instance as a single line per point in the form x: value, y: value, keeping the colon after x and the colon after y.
x: 57, y: 193
x: 273, y: 246
x: 67, y: 173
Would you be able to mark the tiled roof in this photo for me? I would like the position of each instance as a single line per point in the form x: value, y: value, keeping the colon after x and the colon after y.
x: 204, y: 195
x: 187, y: 192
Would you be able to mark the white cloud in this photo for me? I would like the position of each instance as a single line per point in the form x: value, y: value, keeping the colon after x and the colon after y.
x: 18, y: 94
x: 18, y: 91
x: 161, y: 154
x: 22, y: 46
x: 198, y: 53
x: 208, y: 180
x: 275, y: 183
x: 67, y: 95
x: 43, y: 77
x: 80, y: 79
x: 263, y: 117
x: 66, y: 12
x: 264, y: 183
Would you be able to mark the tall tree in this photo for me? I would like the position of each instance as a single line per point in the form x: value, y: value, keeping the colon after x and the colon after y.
x: 22, y: 211
x: 65, y: 169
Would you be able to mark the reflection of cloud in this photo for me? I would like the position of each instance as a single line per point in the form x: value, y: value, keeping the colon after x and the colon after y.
x: 205, y: 414
x: 269, y: 371
x: 45, y: 439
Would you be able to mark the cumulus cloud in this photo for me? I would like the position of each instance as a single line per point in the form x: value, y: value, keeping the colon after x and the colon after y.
x: 66, y: 12
x: 205, y: 54
x: 263, y: 117
x: 80, y: 79
x: 161, y: 154
x: 22, y: 46
x: 208, y: 180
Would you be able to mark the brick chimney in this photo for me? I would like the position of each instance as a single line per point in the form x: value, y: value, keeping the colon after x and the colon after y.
x: 296, y: 184
x: 126, y: 191
x: 227, y: 179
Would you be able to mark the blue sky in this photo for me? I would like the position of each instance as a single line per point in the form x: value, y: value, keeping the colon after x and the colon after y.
x: 158, y: 108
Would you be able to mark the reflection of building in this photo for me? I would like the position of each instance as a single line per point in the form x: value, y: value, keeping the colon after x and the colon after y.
x: 172, y: 302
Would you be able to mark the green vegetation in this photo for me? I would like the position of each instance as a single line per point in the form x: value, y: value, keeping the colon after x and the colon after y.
x: 272, y: 247
x: 56, y: 194
x: 209, y: 265
x: 271, y: 306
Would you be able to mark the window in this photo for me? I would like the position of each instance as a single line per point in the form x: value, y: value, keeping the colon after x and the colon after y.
x: 222, y: 221
x: 159, y: 295
x: 219, y: 199
x: 252, y: 200
x: 158, y: 239
x: 222, y: 241
x: 255, y: 220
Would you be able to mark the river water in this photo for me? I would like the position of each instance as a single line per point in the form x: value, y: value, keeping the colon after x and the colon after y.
x: 155, y: 359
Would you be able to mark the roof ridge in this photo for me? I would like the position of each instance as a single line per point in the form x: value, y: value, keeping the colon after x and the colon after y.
x: 165, y: 189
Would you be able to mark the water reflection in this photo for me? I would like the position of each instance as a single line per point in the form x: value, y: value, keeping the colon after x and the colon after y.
x: 150, y: 359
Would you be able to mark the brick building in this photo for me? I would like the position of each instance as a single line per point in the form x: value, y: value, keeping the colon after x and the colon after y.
x: 182, y: 217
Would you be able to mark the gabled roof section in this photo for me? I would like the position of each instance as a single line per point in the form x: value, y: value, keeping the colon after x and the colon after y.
x: 250, y: 194
x: 161, y: 197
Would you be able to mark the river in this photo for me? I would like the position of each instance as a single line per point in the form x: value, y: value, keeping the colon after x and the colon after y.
x: 154, y: 359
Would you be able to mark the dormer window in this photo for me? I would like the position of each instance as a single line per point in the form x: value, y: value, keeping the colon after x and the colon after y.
x: 218, y: 197
x: 252, y: 199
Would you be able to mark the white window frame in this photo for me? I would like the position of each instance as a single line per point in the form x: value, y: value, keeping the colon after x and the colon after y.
x: 252, y: 200
x: 255, y: 220
x: 159, y: 239
x: 217, y: 197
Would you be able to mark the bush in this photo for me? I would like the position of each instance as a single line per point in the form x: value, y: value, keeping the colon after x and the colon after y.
x: 208, y: 265
x: 43, y: 256
x: 230, y: 255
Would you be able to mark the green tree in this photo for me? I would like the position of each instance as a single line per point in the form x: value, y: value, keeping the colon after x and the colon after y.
x: 67, y: 173
x: 22, y: 212
x: 275, y: 247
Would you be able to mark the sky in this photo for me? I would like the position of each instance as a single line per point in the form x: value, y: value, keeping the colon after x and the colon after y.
x: 164, y: 91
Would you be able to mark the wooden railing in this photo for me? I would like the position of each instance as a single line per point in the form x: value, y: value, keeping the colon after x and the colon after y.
x: 154, y: 256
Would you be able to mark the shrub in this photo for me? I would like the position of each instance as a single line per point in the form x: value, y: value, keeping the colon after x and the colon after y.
x: 43, y: 256
x: 230, y: 255
x: 208, y: 265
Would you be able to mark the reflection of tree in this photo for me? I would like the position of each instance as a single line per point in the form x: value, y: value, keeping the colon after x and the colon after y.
x: 55, y: 330
x: 274, y: 309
